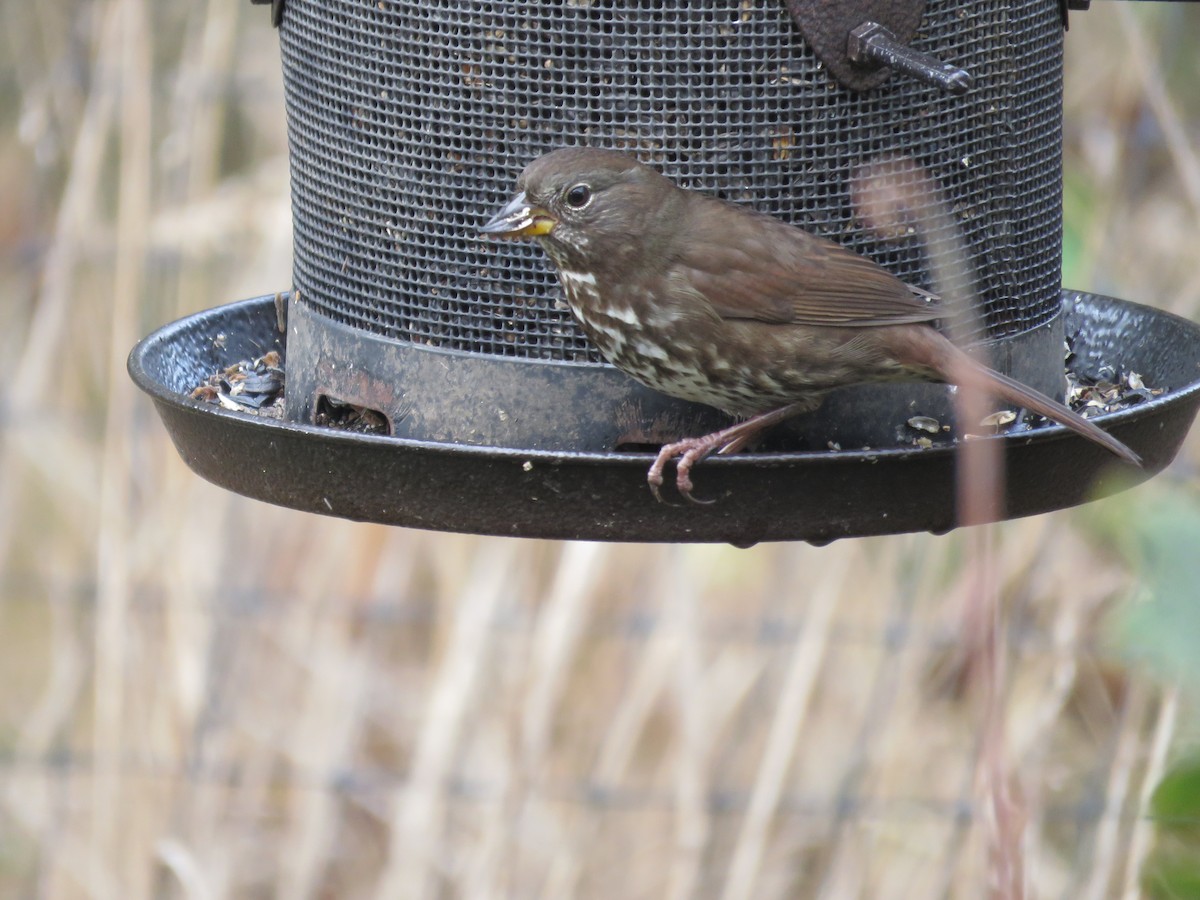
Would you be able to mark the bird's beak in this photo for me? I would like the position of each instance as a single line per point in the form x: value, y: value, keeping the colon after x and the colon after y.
x: 519, y: 219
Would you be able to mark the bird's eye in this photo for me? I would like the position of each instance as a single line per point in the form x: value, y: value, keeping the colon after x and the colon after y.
x: 579, y: 196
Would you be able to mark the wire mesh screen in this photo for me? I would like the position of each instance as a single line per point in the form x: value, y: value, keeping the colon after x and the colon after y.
x: 409, y: 121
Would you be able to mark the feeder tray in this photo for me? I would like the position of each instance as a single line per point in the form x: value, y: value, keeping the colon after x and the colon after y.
x: 813, y: 496
x: 407, y: 125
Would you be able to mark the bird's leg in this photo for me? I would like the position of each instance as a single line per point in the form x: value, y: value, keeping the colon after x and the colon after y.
x: 690, y: 451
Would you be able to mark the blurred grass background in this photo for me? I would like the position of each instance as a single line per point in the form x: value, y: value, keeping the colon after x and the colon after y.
x: 203, y: 696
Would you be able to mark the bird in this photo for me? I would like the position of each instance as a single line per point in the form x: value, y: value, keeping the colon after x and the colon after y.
x: 716, y: 303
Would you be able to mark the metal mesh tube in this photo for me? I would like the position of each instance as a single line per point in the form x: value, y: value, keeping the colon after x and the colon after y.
x: 408, y: 122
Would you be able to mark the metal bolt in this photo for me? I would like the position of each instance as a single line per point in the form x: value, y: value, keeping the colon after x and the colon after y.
x: 873, y: 44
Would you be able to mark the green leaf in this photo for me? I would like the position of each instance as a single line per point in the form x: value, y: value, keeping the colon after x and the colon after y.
x: 1175, y: 805
x: 1171, y: 876
x: 1156, y: 529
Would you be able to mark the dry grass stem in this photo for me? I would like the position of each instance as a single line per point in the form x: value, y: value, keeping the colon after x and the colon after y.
x: 1156, y: 766
x: 786, y: 727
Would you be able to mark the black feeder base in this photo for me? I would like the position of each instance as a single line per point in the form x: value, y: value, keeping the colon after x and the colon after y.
x: 810, y: 496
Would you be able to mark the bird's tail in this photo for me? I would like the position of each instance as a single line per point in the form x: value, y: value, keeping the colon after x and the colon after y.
x: 956, y: 367
x: 1014, y: 392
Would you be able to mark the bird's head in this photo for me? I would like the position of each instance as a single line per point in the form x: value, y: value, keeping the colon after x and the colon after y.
x: 585, y: 205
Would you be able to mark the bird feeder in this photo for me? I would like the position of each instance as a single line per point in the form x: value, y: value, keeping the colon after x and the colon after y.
x: 475, y: 401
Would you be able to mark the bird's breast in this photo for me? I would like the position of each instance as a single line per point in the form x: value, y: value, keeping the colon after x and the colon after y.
x: 739, y: 366
x: 612, y: 325
x: 653, y: 344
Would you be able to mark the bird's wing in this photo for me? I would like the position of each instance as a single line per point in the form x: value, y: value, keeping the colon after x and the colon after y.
x: 751, y: 266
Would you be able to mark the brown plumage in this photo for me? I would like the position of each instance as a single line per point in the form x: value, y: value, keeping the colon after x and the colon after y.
x: 715, y: 303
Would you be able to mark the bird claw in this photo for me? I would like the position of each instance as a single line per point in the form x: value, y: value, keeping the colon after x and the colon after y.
x: 655, y: 476
x: 655, y: 480
x: 687, y: 452
x: 694, y: 500
x: 690, y: 451
x: 683, y: 475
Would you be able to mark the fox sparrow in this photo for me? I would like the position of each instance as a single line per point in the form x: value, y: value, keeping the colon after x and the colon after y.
x: 718, y: 304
